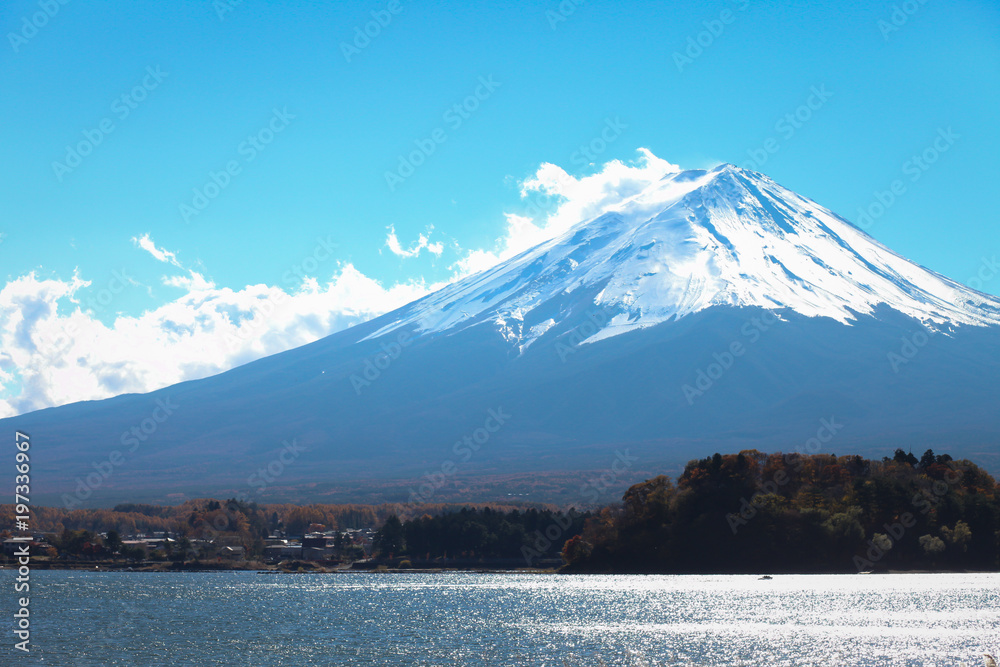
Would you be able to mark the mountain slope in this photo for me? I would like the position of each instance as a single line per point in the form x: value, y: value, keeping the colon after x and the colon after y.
x: 697, y: 239
x: 712, y: 311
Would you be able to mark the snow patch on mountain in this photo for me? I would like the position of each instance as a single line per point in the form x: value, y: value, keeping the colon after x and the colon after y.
x: 693, y: 240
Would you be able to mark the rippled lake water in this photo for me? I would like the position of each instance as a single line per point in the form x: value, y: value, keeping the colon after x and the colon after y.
x: 245, y: 618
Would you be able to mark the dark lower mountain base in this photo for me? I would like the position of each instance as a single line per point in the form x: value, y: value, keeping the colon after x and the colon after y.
x: 326, y: 423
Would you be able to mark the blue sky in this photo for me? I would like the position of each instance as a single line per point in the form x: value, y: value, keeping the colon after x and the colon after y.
x: 309, y: 129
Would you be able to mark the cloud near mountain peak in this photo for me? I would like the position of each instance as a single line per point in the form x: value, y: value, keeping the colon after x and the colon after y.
x: 56, y: 351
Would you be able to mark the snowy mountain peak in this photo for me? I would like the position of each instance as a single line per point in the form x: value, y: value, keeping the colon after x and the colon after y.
x: 693, y: 240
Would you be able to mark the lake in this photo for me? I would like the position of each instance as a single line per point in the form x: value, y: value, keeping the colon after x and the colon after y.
x: 245, y: 618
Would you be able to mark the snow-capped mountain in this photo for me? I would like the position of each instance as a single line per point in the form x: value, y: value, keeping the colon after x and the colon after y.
x: 697, y: 239
x: 712, y: 311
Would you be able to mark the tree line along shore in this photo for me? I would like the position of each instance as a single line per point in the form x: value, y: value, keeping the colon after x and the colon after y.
x: 749, y: 512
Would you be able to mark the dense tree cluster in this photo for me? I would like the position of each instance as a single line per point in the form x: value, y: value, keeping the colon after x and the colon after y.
x: 754, y: 512
x: 746, y: 512
x: 484, y: 533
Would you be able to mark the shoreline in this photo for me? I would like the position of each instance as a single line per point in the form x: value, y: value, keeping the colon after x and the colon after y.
x: 299, y: 568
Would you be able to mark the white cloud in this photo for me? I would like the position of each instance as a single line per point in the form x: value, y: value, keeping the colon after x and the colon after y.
x: 160, y: 254
x: 423, y: 243
x: 53, y: 352
x: 51, y: 359
x: 576, y: 199
x: 521, y: 234
x: 193, y: 282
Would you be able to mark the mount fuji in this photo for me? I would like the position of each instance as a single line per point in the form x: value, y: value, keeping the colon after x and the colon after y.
x: 712, y: 311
